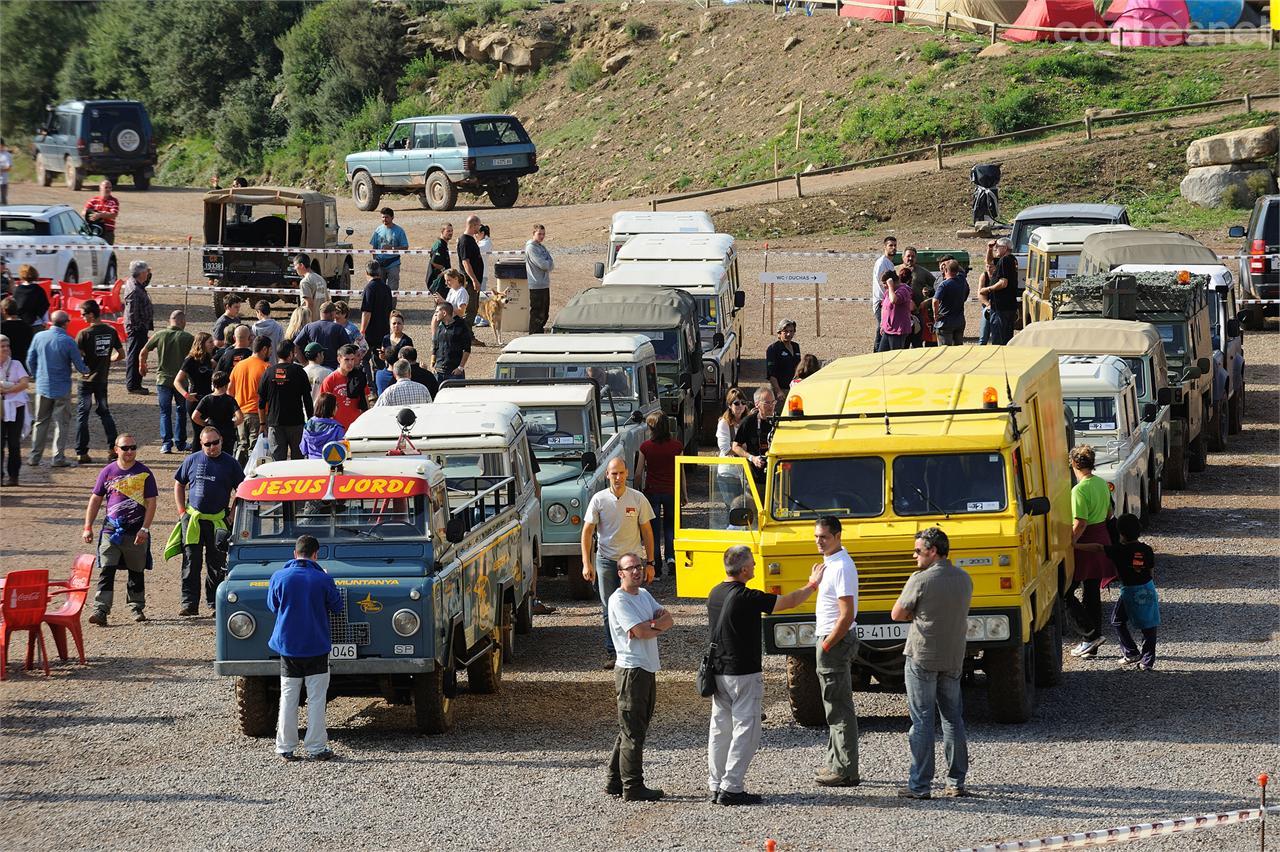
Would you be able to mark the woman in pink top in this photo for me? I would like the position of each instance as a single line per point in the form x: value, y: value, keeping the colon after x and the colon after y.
x: 895, y: 313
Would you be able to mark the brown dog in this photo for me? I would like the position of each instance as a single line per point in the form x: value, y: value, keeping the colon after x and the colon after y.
x: 491, y: 309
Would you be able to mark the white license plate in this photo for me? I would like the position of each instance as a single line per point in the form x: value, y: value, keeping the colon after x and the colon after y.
x: 502, y: 161
x: 882, y: 631
x: 97, y: 147
x: 343, y: 652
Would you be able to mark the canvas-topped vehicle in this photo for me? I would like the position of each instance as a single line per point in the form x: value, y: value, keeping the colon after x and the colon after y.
x: 564, y: 422
x: 629, y: 223
x: 1044, y: 215
x: 720, y: 322
x: 429, y: 572
x: 669, y: 318
x: 968, y: 438
x: 1140, y: 346
x: 1053, y: 256
x: 291, y: 220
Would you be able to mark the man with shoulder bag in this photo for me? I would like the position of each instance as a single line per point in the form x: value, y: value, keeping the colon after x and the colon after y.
x: 734, y: 612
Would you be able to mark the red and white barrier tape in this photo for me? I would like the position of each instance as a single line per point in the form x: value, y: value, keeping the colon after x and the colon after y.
x: 286, y: 291
x: 1126, y: 833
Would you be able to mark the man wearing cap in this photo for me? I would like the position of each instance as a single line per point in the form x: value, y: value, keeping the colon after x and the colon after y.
x: 781, y: 358
x: 139, y: 320
x: 102, y: 210
x: 314, y: 367
x: 313, y: 291
x: 389, y: 235
x: 171, y: 346
x: 326, y: 331
x: 1002, y: 291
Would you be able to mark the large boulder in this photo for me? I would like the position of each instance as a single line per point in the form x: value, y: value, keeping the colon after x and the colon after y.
x: 1237, y: 146
x: 1236, y: 185
x: 615, y: 63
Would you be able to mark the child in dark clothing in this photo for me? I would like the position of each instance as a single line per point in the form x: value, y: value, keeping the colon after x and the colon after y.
x: 219, y: 410
x: 1139, y: 605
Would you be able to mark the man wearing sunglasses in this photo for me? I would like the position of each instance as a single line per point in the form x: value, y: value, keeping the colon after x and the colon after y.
x: 129, y: 488
x: 204, y: 490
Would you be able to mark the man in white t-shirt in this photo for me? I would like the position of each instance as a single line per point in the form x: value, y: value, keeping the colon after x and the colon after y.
x: 623, y: 518
x: 636, y: 620
x: 836, y: 611
x: 312, y: 288
x: 884, y: 263
x: 455, y: 295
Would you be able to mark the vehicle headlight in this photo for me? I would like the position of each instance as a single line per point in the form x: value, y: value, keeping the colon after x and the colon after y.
x: 415, y: 594
x: 997, y: 627
x: 975, y: 630
x: 241, y: 625
x: 575, y: 502
x: 232, y: 597
x: 806, y: 634
x: 784, y: 635
x: 709, y: 370
x: 557, y: 513
x: 405, y: 622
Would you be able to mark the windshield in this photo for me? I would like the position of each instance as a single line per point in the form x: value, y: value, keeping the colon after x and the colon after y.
x: 1064, y: 264
x: 332, y: 520
x: 666, y: 344
x: 1022, y: 228
x: 1092, y: 413
x: 617, y: 382
x: 1174, y: 338
x: 20, y: 226
x: 557, y: 433
x: 1139, y: 371
x: 707, y: 317
x: 466, y: 464
x: 494, y: 131
x: 811, y: 488
x: 951, y: 484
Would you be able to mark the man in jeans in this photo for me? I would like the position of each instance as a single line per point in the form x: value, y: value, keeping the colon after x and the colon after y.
x: 734, y: 612
x: 538, y: 264
x: 884, y: 263
x: 836, y: 611
x: 129, y: 489
x: 302, y: 595
x: 936, y: 602
x: 1002, y: 291
x: 948, y: 303
x: 99, y: 345
x: 624, y: 520
x: 139, y: 322
x: 172, y: 347
x: 52, y: 355
x: 636, y: 620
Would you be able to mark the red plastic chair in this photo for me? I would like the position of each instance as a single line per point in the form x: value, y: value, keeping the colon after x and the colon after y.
x: 111, y: 301
x: 75, y: 293
x: 26, y: 593
x: 67, y: 618
x: 55, y: 299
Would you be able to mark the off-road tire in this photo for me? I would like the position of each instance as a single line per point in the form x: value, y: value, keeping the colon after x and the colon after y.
x: 364, y: 192
x: 44, y: 177
x: 257, y: 706
x: 485, y: 674
x: 1217, y: 429
x: 507, y: 630
x: 1155, y: 491
x: 434, y: 711
x: 1011, y: 682
x: 804, y: 691
x: 1177, y: 467
x: 440, y: 192
x: 1235, y: 412
x: 141, y: 181
x: 73, y: 175
x: 504, y: 194
x: 1144, y: 514
x: 72, y: 273
x: 422, y: 200
x: 1048, y: 642
x: 1254, y: 318
x: 1198, y: 451
x: 524, y: 616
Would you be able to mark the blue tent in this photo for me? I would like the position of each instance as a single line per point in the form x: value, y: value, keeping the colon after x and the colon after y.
x: 1215, y: 14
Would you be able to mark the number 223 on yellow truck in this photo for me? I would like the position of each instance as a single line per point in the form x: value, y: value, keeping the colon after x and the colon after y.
x: 970, y: 439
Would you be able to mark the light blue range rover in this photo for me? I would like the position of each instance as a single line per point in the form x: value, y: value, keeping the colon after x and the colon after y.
x: 434, y: 156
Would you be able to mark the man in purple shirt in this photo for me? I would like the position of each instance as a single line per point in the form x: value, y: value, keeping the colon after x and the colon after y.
x: 129, y: 488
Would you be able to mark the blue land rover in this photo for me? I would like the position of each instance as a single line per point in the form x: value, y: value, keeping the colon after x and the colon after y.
x: 434, y: 156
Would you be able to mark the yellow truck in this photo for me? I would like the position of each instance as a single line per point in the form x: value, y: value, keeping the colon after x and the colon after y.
x: 970, y: 439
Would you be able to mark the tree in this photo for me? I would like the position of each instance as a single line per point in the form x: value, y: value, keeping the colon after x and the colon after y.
x: 33, y: 35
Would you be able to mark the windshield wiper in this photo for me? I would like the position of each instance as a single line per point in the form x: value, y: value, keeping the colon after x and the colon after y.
x: 802, y: 505
x: 930, y: 503
x: 362, y: 533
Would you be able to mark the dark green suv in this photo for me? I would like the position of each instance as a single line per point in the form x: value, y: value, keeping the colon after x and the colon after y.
x: 82, y: 138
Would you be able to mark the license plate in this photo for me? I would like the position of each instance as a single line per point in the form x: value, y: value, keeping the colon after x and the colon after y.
x: 97, y: 147
x: 882, y: 631
x: 343, y: 652
x: 502, y: 161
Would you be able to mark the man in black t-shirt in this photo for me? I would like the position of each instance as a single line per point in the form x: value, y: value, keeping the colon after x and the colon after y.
x: 1002, y: 292
x: 734, y: 612
x: 100, y: 345
x: 755, y: 433
x: 376, y: 302
x: 1139, y: 605
x: 242, y: 337
x: 471, y: 261
x: 285, y: 390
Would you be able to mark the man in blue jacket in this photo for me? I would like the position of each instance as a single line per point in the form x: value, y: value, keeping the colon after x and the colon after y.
x: 52, y: 354
x: 302, y: 595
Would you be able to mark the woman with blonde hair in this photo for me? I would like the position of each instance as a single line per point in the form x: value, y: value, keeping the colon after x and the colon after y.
x: 1090, y: 509
x: 297, y: 321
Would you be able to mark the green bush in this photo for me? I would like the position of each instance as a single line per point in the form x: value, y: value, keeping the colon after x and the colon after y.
x: 1018, y: 108
x: 503, y: 93
x: 933, y: 51
x: 637, y: 30
x: 1075, y: 65
x: 417, y: 75
x: 583, y: 73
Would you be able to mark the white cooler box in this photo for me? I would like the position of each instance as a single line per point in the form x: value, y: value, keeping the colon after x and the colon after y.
x: 510, y: 277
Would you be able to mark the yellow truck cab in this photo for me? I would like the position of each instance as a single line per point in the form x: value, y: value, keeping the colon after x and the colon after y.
x: 1053, y: 256
x: 970, y: 439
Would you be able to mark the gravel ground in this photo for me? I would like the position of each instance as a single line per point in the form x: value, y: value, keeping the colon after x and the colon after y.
x: 143, y: 741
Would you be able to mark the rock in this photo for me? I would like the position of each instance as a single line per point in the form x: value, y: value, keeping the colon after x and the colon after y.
x: 470, y: 48
x: 774, y: 211
x: 1099, y: 112
x: 615, y: 63
x: 791, y: 42
x: 673, y: 57
x: 1237, y: 146
x: 954, y: 84
x: 995, y: 51
x: 1236, y: 185
x: 700, y: 51
x: 786, y: 110
x: 674, y: 37
x: 708, y: 23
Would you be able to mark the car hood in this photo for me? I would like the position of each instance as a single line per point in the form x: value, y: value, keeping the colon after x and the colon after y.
x: 553, y: 473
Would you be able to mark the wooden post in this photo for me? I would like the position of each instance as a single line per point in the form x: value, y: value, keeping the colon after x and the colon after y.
x: 771, y: 325
x: 1120, y: 40
x: 817, y: 312
x: 799, y: 120
x: 653, y: 205
x: 1088, y: 126
x: 763, y: 325
x: 1248, y: 102
x: 994, y: 31
x: 938, y: 149
x: 946, y: 23
x: 777, y: 187
x: 799, y: 191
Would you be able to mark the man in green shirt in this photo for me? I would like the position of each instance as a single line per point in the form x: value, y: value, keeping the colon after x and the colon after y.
x: 172, y: 346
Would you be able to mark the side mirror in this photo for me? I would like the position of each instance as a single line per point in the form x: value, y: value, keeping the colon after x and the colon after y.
x: 598, y: 270
x: 1038, y: 506
x: 1164, y: 396
x: 1149, y: 412
x: 636, y: 417
x: 350, y: 231
x: 686, y: 381
x: 93, y: 230
x: 1236, y: 231
x: 42, y: 131
x: 1192, y: 374
x: 382, y: 146
x: 717, y: 341
x: 740, y: 299
x: 1233, y: 328
x: 456, y: 529
x: 1204, y: 365
x: 589, y: 460
x: 742, y: 517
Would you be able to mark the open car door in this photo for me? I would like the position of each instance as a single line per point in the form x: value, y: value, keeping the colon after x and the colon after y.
x: 718, y: 508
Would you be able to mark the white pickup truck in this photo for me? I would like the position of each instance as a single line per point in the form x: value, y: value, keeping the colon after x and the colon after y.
x: 1100, y: 394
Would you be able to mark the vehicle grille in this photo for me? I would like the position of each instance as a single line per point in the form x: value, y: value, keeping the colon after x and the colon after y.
x: 882, y: 576
x: 342, y: 631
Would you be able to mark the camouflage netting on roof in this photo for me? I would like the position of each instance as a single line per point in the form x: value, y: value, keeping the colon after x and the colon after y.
x: 1156, y: 290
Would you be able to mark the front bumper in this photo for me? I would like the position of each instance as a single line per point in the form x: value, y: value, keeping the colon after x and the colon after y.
x: 365, y: 666
x: 567, y: 548
x: 872, y: 619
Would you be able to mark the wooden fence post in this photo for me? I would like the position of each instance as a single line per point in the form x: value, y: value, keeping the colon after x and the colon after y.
x: 799, y: 121
x: 1120, y: 40
x: 653, y: 205
x: 777, y: 187
x: 946, y: 23
x: 1248, y: 102
x: 994, y: 31
x: 1088, y: 126
x: 799, y: 192
x: 938, y: 150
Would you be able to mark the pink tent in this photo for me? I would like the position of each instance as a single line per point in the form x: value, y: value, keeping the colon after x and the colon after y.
x: 1152, y: 14
x: 1115, y: 10
x: 889, y: 11
x: 1069, y: 14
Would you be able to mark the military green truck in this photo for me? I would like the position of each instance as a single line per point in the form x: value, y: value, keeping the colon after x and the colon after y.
x: 669, y: 318
x: 1177, y: 305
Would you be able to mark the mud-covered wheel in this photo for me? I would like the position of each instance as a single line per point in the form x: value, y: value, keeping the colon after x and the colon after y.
x: 504, y: 194
x: 1155, y: 491
x: 44, y: 177
x: 1011, y: 682
x: 1235, y: 411
x: 440, y: 192
x: 524, y: 615
x: 364, y: 192
x: 1254, y: 318
x: 804, y: 692
x: 508, y: 632
x: 433, y: 703
x: 1198, y: 450
x: 485, y: 674
x: 1048, y: 642
x: 1177, y: 467
x: 257, y: 706
x: 1217, y: 429
x: 141, y: 181
x: 73, y: 175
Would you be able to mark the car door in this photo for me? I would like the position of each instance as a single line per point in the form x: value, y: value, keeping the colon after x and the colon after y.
x: 92, y: 258
x: 421, y: 153
x: 448, y: 152
x: 395, y: 159
x: 708, y: 491
x: 62, y: 232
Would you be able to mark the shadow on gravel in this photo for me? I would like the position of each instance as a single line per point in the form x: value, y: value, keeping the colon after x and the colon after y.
x: 37, y: 797
x: 1193, y: 522
x: 1087, y: 803
x: 1190, y: 572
